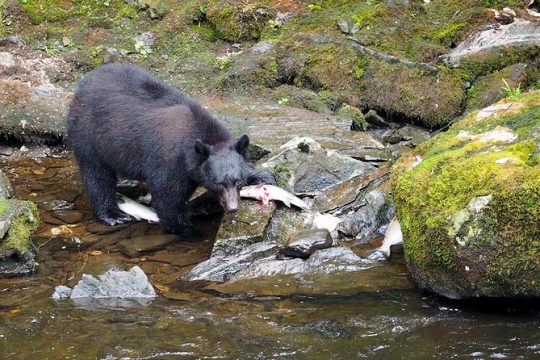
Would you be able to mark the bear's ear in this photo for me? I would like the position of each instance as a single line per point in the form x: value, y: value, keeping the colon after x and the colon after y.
x: 202, y: 148
x: 242, y: 145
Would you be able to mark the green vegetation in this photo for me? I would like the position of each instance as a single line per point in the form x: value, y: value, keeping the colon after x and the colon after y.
x: 455, y: 170
x: 513, y: 93
x: 310, y: 53
x: 23, y: 224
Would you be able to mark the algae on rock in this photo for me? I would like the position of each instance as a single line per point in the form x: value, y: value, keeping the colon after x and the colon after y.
x: 18, y: 221
x: 469, y: 209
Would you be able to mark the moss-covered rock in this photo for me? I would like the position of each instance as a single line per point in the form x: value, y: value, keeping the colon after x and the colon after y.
x: 18, y: 221
x: 488, y: 89
x: 238, y: 20
x: 469, y: 209
x: 256, y: 66
x: 358, y: 121
x: 5, y: 187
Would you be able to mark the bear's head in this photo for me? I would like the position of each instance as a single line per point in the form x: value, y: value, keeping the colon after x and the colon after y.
x: 224, y: 170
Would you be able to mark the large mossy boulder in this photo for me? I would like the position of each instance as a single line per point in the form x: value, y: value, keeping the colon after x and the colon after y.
x: 18, y: 221
x: 468, y: 203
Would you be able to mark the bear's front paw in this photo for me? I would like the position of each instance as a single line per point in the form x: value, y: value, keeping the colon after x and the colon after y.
x: 114, y: 217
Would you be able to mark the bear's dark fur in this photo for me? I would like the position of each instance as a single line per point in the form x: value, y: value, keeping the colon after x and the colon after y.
x: 123, y: 122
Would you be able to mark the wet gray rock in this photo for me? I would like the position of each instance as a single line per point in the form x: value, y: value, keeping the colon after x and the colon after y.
x: 139, y: 245
x: 222, y: 268
x: 12, y: 39
x: 5, y: 187
x: 348, y: 195
x: 304, y: 243
x: 62, y: 292
x: 410, y: 135
x: 6, y: 150
x: 112, y: 284
x: 242, y: 228
x: 365, y: 223
x: 54, y: 205
x: 33, y: 105
x: 519, y: 33
x: 255, y: 66
x: 302, y: 165
x: 147, y: 39
x: 18, y: 221
x: 332, y: 271
x: 376, y: 120
x: 347, y: 26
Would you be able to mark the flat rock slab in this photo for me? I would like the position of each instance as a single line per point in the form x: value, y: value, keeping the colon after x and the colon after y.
x: 333, y: 271
x: 32, y: 104
x: 345, y: 194
x: 271, y: 125
x: 303, y: 165
x: 139, y: 245
x: 222, y: 268
x: 519, y: 33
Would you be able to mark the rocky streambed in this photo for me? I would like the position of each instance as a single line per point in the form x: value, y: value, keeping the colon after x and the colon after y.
x: 241, y: 293
x: 189, y: 319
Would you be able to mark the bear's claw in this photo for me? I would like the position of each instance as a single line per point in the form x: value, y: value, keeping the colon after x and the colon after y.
x: 115, y: 218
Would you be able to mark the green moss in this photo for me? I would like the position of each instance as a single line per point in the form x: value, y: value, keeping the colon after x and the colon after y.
x: 358, y: 121
x: 432, y: 100
x: 450, y: 34
x: 22, y: 225
x: 475, y: 65
x: 499, y: 4
x: 421, y: 32
x: 237, y: 21
x: 456, y: 169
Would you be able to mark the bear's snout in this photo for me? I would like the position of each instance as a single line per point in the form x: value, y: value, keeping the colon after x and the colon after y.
x: 230, y: 200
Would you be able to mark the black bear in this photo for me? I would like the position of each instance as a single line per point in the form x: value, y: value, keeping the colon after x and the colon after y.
x: 122, y: 122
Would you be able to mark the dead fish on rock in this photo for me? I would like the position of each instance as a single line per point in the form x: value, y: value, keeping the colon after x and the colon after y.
x: 266, y: 193
x: 393, y: 236
x: 135, y: 209
x: 304, y: 243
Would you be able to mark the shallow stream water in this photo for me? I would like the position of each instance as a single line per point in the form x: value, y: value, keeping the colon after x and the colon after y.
x: 186, y: 322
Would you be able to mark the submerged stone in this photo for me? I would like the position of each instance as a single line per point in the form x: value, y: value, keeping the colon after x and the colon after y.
x: 333, y: 271
x: 138, y: 245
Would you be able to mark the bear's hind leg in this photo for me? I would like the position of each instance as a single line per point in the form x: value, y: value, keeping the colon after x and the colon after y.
x: 100, y: 184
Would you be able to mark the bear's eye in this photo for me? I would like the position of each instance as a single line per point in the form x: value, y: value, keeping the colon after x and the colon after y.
x: 237, y: 183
